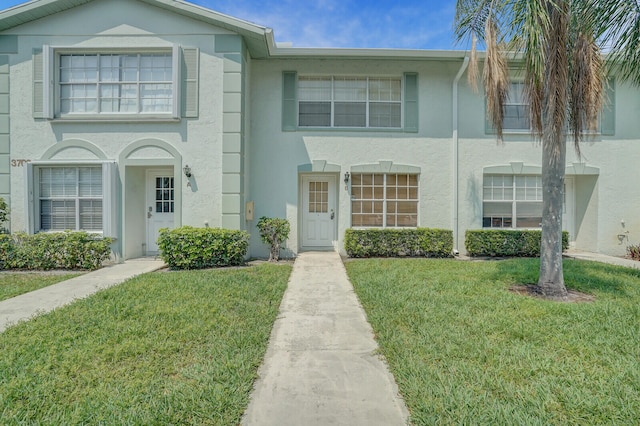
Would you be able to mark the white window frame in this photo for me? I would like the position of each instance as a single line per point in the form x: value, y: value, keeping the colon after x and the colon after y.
x: 52, y: 93
x: 523, y: 103
x: 108, y: 170
x: 385, y: 200
x: 367, y: 101
x: 514, y: 200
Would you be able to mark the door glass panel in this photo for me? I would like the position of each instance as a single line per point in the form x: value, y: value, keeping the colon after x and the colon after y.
x: 318, y: 197
x: 164, y: 194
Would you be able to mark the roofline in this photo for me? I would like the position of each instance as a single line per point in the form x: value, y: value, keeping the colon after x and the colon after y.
x: 259, y: 39
x: 364, y: 53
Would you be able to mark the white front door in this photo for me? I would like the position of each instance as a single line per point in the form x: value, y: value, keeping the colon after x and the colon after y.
x: 160, y: 205
x: 569, y: 209
x: 319, y: 211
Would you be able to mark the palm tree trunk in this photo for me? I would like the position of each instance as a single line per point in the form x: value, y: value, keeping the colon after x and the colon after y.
x: 551, y: 281
x: 554, y: 150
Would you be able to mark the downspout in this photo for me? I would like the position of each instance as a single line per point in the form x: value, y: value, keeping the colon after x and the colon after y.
x: 463, y: 67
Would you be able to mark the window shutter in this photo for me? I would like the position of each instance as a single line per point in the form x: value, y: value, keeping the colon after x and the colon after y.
x: 29, y: 198
x: 38, y: 83
x: 190, y: 65
x: 109, y: 200
x: 289, y: 110
x: 608, y: 127
x: 411, y: 116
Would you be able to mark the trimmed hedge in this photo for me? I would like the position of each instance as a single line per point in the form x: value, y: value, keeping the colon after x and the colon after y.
x: 196, y: 248
x: 419, y: 242
x: 503, y: 242
x: 55, y: 250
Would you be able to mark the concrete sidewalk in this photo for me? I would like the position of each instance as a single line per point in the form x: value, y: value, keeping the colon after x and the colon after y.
x: 46, y: 299
x: 321, y: 365
x: 602, y: 258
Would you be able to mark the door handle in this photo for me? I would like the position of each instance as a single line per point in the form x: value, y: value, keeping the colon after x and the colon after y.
x: 149, y: 213
x: 333, y: 214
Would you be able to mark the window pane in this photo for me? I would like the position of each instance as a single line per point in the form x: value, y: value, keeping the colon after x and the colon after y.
x: 528, y: 214
x: 315, y: 114
x: 350, y: 114
x: 384, y: 89
x: 497, y: 209
x: 384, y: 115
x: 350, y: 89
x: 91, y: 215
x: 57, y: 215
x: 314, y: 89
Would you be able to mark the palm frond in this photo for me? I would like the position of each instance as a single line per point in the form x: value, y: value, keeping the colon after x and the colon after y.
x: 586, y: 87
x: 495, y: 77
x: 556, y: 78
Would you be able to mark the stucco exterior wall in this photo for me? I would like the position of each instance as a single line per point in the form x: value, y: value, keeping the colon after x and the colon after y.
x: 601, y: 201
x: 239, y: 153
x: 125, y: 24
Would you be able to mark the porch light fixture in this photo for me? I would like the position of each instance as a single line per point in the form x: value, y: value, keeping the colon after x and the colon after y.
x: 347, y: 175
x: 187, y: 170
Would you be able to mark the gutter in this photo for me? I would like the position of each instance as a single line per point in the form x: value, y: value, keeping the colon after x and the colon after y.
x: 456, y: 197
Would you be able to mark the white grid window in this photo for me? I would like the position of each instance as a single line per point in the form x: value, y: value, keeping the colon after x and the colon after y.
x: 516, y: 108
x: 384, y: 200
x: 70, y: 198
x: 512, y: 201
x: 116, y: 83
x: 358, y: 102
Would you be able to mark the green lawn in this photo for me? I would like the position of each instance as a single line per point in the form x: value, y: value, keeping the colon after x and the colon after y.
x: 15, y: 284
x: 465, y: 350
x: 163, y: 348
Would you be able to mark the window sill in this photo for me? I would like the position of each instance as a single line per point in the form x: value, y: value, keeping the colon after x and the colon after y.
x: 352, y: 129
x: 115, y: 119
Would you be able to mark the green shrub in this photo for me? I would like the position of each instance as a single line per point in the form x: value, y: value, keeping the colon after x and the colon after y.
x: 507, y: 242
x: 4, y: 215
x: 423, y: 242
x: 55, y: 250
x: 196, y: 248
x: 7, y: 249
x: 274, y: 232
x: 634, y: 251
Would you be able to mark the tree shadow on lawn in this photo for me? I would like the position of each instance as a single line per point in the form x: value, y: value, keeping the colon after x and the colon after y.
x: 583, y: 279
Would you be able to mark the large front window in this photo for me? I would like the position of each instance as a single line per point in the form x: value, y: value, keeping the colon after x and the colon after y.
x: 384, y: 200
x: 132, y: 83
x: 70, y: 198
x: 349, y: 102
x: 512, y: 201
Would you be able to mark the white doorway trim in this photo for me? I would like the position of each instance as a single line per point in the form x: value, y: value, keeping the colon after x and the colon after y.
x: 319, y: 213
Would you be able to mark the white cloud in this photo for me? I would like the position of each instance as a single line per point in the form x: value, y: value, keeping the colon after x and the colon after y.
x: 332, y: 23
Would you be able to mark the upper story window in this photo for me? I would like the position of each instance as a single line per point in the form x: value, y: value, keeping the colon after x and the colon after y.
x: 109, y: 83
x: 516, y: 108
x: 357, y: 102
x: 115, y: 84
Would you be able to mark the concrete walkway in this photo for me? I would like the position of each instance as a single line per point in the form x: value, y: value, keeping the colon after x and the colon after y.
x: 603, y: 258
x: 46, y: 299
x: 321, y: 366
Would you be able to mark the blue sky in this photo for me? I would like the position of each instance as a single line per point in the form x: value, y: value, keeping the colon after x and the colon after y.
x: 407, y: 24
